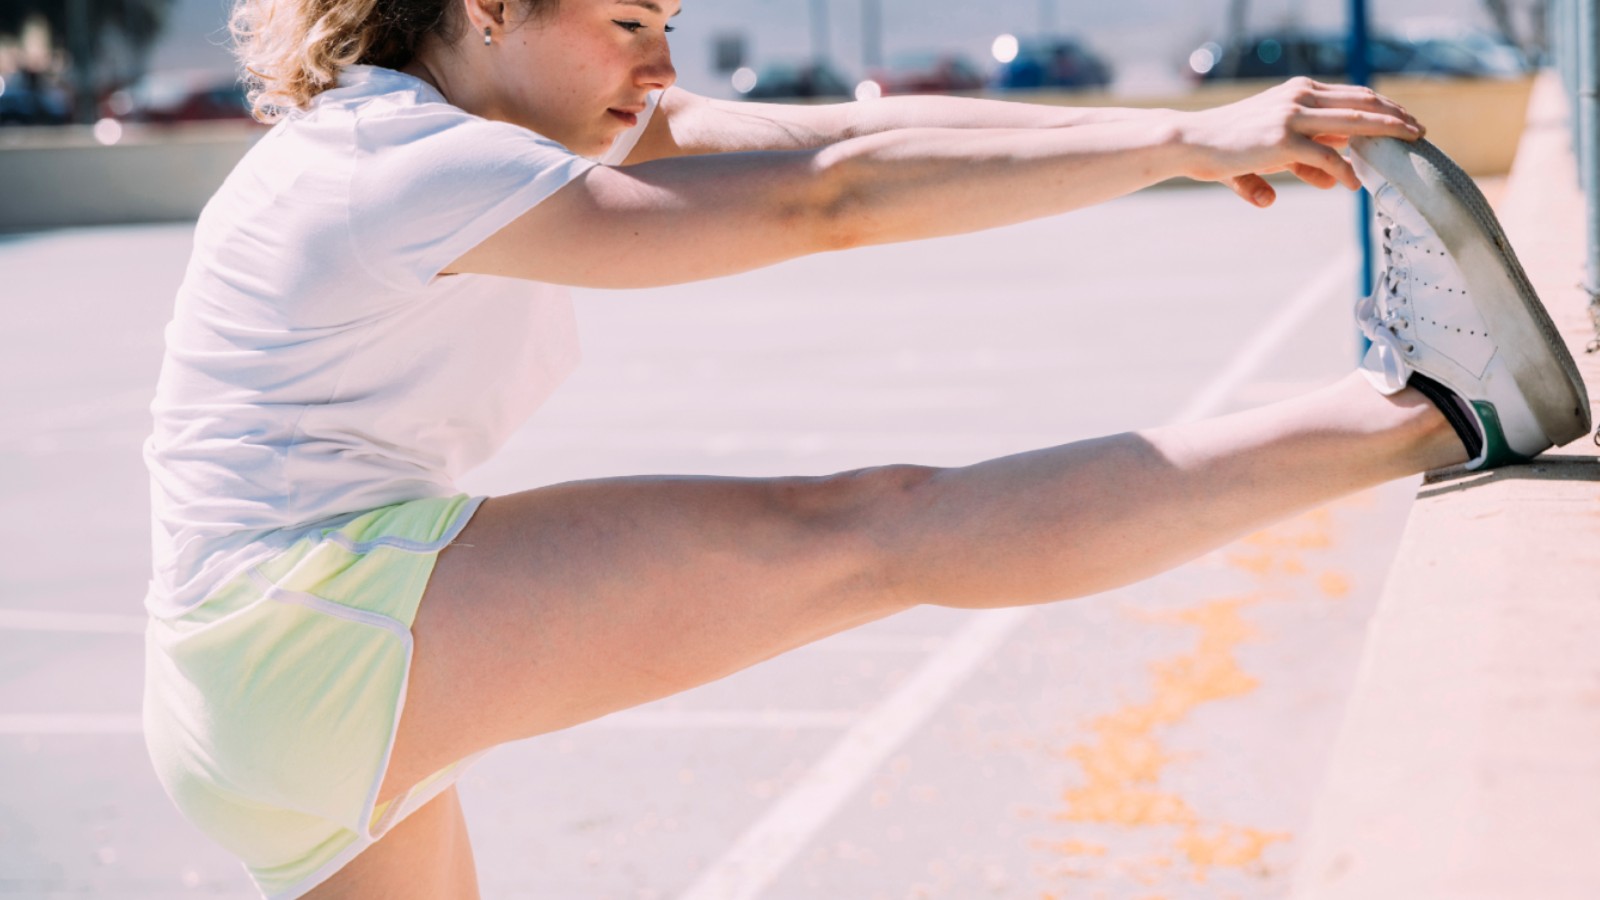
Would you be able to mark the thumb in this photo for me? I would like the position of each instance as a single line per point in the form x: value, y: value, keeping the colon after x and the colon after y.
x: 1254, y: 189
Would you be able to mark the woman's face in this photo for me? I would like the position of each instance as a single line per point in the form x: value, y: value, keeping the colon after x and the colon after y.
x: 579, y: 75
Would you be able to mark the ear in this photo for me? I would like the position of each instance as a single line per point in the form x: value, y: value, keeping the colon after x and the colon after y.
x: 485, y: 13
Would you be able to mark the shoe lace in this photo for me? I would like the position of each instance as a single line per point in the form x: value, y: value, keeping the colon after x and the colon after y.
x: 1377, y: 313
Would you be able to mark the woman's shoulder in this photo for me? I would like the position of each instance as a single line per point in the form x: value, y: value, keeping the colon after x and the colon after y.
x: 391, y: 109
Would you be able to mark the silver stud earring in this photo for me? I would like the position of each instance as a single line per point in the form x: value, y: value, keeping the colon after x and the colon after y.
x: 486, y: 40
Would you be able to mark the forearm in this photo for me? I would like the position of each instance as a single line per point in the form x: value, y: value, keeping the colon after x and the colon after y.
x: 916, y: 183
x: 891, y: 113
x: 691, y: 125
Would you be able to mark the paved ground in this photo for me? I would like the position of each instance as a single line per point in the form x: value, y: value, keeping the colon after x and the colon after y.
x: 1161, y: 741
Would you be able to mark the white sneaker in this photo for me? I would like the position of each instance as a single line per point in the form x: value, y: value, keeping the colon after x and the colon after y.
x: 1453, y: 314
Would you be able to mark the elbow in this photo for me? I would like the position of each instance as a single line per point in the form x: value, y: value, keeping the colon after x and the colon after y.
x: 838, y: 208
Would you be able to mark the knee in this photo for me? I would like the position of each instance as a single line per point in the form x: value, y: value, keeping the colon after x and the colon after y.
x: 858, y: 519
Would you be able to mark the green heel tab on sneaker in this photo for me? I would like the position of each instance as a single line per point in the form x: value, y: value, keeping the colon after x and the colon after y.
x: 1496, y: 452
x: 1476, y: 423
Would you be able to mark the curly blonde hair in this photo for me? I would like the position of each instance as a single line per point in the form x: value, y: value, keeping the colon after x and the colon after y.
x: 293, y: 50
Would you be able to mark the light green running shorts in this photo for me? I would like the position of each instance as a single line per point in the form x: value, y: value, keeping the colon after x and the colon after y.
x: 270, y: 709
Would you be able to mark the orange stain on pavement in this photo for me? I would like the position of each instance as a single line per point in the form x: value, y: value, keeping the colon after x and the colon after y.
x: 1074, y: 848
x: 1123, y: 759
x: 1333, y: 584
x: 1228, y: 845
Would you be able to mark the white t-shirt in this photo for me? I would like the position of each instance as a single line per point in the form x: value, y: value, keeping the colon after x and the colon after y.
x: 317, y: 365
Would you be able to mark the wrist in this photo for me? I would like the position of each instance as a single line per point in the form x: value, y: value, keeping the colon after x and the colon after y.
x: 1187, y: 147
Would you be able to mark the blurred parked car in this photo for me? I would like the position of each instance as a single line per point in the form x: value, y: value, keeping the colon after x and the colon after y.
x: 1053, y: 63
x: 1448, y: 48
x: 790, y: 80
x: 1279, y: 55
x: 179, y: 97
x: 27, y: 98
x: 928, y: 72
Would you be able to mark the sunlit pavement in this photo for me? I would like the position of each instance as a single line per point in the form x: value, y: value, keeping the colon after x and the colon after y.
x: 1165, y: 740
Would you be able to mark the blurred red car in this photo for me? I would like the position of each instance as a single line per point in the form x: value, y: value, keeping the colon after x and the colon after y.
x: 179, y: 97
x: 928, y: 72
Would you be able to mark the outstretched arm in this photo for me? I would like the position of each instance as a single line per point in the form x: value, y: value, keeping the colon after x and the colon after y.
x: 687, y: 124
x: 691, y: 218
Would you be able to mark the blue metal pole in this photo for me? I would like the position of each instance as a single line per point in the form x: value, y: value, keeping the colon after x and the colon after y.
x: 1587, y: 126
x: 1569, y: 46
x: 1360, y: 72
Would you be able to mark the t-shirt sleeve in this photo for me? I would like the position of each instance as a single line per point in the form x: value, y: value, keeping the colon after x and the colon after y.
x: 625, y: 142
x: 428, y: 185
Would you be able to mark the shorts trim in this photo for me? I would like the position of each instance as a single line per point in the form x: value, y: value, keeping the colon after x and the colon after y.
x: 406, y: 544
x: 405, y: 804
x: 276, y: 594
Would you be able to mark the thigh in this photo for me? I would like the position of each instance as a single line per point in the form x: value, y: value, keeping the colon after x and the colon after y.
x: 560, y: 605
x: 426, y: 856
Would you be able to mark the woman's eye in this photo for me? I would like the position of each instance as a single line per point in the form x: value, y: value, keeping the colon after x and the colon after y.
x: 632, y: 27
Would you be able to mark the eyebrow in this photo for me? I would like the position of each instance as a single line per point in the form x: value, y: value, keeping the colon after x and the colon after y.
x: 650, y: 5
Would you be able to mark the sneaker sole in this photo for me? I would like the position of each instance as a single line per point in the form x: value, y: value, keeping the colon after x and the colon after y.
x: 1452, y: 204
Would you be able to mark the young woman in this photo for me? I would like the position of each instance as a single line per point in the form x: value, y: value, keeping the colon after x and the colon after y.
x: 374, y: 303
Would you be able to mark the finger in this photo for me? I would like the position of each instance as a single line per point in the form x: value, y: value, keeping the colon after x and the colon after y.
x: 1313, y: 176
x: 1326, y: 159
x: 1254, y: 189
x: 1363, y: 98
x: 1352, y: 122
x: 1332, y: 140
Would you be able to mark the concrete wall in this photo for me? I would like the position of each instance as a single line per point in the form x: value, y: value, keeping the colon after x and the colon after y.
x: 59, y: 177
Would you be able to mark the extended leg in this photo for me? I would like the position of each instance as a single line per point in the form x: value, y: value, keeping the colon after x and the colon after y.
x: 1090, y: 516
x: 565, y: 603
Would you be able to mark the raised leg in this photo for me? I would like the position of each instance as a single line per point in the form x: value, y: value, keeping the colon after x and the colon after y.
x: 565, y: 603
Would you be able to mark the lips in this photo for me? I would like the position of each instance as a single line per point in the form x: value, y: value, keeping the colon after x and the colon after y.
x: 627, y: 118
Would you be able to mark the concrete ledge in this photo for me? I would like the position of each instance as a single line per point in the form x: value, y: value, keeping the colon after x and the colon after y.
x: 61, y: 177
x: 1468, y: 765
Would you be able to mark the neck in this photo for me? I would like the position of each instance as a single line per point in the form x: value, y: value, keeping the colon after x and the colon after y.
x: 418, y: 67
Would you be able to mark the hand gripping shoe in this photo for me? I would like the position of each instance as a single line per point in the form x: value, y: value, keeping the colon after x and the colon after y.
x: 1453, y: 314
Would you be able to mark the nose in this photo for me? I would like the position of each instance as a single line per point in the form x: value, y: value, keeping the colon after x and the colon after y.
x: 657, y: 72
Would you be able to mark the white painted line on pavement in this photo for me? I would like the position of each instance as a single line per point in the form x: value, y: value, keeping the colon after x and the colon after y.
x: 768, y: 845
x: 728, y: 718
x: 763, y: 850
x: 888, y: 643
x: 1290, y: 316
x: 42, y: 620
x: 630, y: 720
x: 91, y: 413
x: 58, y: 723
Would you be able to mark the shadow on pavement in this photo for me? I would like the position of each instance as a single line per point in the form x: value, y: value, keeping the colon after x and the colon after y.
x: 1553, y: 468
